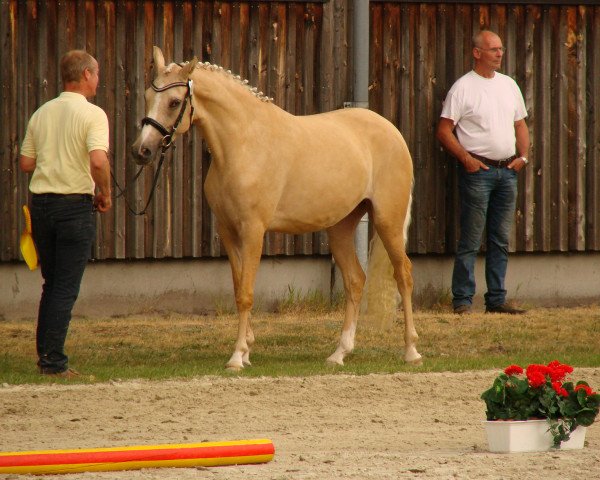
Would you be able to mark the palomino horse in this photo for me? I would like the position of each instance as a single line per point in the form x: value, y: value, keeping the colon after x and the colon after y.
x: 274, y: 171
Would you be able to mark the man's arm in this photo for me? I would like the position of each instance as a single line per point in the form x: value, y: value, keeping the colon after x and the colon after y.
x: 522, y: 136
x: 100, y: 170
x: 446, y: 137
x: 26, y: 164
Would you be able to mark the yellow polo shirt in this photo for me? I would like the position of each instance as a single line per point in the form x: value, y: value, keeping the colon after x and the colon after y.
x: 60, y: 135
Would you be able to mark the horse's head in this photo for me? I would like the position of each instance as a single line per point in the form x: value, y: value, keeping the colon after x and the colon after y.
x: 169, y: 109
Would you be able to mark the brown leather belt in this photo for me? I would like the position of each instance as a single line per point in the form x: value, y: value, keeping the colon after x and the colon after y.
x: 494, y: 163
x: 68, y: 196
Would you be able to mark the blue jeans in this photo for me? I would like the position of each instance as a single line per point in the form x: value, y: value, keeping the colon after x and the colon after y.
x: 487, y: 200
x: 63, y: 228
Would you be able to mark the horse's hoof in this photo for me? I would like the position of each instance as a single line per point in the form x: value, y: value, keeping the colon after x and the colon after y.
x: 415, y: 360
x: 335, y: 359
x: 246, y: 359
x: 232, y: 367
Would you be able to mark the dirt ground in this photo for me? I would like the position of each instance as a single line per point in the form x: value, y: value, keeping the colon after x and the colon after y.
x: 418, y: 426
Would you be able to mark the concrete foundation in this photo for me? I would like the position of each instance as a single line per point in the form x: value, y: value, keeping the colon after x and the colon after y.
x: 199, y: 286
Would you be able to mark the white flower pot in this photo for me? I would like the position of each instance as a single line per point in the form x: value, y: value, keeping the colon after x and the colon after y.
x: 527, y: 436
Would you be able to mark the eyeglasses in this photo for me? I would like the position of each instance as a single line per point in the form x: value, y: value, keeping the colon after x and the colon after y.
x: 493, y: 50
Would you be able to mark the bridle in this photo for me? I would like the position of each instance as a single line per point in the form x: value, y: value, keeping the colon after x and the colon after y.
x: 167, y: 140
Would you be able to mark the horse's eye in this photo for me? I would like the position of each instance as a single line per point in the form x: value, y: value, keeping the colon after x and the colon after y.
x: 174, y: 103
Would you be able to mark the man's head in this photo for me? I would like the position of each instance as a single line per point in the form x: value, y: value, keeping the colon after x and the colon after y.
x: 487, y: 52
x: 79, y: 71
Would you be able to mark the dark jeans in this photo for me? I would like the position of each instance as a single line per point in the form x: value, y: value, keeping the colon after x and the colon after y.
x: 487, y: 200
x: 63, y: 230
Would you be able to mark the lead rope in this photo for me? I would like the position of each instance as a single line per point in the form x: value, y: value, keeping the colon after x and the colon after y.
x: 122, y: 191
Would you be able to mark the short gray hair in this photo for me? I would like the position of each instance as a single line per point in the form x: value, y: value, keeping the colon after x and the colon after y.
x: 477, y: 36
x: 73, y: 63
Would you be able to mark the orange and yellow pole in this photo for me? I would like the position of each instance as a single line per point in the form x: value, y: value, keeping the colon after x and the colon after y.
x: 206, y: 454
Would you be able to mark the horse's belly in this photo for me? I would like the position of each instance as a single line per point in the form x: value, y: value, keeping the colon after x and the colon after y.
x: 295, y: 226
x: 311, y: 216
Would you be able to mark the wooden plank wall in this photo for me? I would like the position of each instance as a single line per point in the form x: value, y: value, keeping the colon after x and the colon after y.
x: 419, y: 49
x: 296, y: 52
x: 300, y: 54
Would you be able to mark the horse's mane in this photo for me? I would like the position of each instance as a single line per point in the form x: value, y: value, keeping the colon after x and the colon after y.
x: 216, y: 68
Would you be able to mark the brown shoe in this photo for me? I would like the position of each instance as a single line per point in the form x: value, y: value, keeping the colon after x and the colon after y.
x: 68, y: 374
x: 462, y: 309
x: 505, y: 308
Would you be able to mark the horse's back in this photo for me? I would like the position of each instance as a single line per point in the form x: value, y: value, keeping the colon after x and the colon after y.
x: 354, y: 120
x: 380, y: 140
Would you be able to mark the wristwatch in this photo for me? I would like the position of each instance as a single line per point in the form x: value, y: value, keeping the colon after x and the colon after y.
x: 525, y: 161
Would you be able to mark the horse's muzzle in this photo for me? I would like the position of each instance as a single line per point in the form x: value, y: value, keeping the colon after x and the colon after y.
x: 142, y: 154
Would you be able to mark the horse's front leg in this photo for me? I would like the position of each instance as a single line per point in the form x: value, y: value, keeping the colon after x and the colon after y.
x: 249, y: 259
x: 249, y: 342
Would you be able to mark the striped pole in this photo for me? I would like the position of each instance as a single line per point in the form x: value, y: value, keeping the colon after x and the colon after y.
x: 206, y: 454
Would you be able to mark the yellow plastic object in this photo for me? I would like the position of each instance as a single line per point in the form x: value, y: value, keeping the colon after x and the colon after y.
x: 27, y: 246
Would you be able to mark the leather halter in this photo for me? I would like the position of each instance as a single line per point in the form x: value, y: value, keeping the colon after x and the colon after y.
x: 167, y: 139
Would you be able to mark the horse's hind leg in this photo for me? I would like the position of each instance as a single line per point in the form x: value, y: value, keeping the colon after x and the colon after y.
x: 341, y: 243
x: 393, y: 240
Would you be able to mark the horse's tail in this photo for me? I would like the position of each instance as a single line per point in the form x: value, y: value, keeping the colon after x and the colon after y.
x: 380, y: 296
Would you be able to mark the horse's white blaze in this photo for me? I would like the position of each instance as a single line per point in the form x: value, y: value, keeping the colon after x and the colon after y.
x: 148, y: 131
x: 145, y: 134
x: 271, y: 170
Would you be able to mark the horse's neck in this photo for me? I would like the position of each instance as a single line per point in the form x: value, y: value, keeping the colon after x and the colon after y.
x: 225, y: 108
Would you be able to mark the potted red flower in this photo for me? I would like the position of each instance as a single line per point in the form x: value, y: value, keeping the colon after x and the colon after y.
x: 541, y: 398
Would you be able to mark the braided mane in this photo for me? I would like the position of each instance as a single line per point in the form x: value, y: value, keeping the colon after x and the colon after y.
x: 216, y: 68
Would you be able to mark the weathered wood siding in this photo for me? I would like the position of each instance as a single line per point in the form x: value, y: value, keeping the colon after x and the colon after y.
x: 297, y: 53
x: 300, y: 54
x: 418, y: 50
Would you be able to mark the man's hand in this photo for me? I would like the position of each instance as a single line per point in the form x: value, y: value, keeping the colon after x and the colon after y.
x: 517, y: 164
x: 102, y: 202
x: 100, y: 170
x: 446, y: 137
x: 473, y: 165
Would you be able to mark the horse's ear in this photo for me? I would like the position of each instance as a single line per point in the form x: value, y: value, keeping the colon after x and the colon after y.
x: 159, y: 59
x: 188, y: 68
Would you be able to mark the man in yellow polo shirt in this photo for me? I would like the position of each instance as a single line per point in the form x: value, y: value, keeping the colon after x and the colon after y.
x: 65, y: 148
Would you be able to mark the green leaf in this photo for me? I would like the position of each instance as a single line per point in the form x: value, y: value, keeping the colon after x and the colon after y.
x: 586, y: 417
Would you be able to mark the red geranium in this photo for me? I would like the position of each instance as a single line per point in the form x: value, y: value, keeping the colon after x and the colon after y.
x: 587, y: 389
x: 558, y: 388
x: 537, y: 368
x: 513, y: 370
x: 544, y: 392
x: 536, y: 378
x: 558, y: 371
